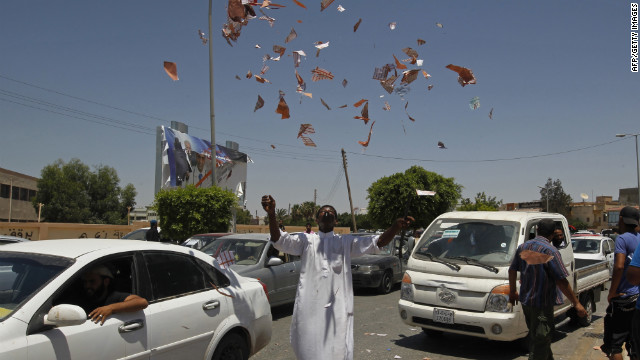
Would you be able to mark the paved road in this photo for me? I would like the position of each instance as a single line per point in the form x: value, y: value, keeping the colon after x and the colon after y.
x: 379, y: 314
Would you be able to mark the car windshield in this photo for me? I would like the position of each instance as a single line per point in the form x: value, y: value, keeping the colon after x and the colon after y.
x: 22, y: 275
x: 487, y: 241
x: 245, y: 251
x: 585, y: 246
x: 197, y: 242
x: 136, y: 235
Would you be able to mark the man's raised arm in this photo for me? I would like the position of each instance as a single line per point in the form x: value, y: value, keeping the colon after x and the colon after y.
x: 391, y: 232
x: 269, y: 205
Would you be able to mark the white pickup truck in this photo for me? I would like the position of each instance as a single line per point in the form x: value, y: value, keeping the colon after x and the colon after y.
x: 457, y: 275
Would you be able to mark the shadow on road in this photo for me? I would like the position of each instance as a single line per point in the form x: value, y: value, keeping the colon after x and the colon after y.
x: 373, y: 291
x: 282, y: 311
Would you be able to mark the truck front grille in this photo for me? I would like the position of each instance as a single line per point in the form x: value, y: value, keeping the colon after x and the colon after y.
x: 459, y: 327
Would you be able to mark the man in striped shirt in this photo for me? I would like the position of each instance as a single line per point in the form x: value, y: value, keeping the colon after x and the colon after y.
x: 541, y: 271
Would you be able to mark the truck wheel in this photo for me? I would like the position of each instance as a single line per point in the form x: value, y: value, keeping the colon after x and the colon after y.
x: 386, y: 283
x: 433, y: 333
x: 587, y: 301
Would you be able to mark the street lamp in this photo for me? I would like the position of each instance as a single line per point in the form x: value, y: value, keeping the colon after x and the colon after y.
x: 637, y: 161
x: 546, y: 193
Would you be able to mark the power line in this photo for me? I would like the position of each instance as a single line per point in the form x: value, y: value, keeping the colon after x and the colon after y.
x: 487, y: 160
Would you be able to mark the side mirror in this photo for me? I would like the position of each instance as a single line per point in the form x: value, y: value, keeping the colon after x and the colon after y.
x: 65, y: 315
x: 274, y: 261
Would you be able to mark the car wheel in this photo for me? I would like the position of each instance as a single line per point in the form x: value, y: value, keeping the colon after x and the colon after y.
x: 232, y: 347
x: 386, y: 283
x: 588, y: 304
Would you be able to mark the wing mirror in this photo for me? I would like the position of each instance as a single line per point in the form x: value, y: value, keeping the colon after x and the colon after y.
x: 274, y: 261
x: 65, y: 315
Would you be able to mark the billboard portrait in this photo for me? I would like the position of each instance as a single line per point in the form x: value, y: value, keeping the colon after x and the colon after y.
x: 186, y: 160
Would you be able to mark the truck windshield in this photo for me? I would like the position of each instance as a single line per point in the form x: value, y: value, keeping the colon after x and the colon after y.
x: 486, y: 241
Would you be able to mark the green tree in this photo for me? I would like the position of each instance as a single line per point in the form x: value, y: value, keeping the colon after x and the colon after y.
x: 559, y: 201
x: 183, y: 212
x: 362, y: 220
x: 482, y: 202
x: 72, y: 193
x: 390, y: 196
x: 243, y: 216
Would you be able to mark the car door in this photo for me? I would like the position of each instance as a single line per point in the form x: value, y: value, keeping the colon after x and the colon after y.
x: 185, y: 310
x: 122, y: 335
x: 610, y: 256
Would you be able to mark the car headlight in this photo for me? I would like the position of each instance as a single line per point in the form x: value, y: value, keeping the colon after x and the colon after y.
x: 498, y: 300
x: 406, y: 289
x: 368, y: 268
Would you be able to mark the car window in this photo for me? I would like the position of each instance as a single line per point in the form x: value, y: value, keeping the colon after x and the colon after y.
x: 174, y: 275
x: 120, y: 272
x: 605, y: 246
x: 22, y: 275
x: 214, y: 275
x: 136, y: 235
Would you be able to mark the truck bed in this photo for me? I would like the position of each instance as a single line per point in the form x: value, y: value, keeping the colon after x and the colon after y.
x: 589, y: 274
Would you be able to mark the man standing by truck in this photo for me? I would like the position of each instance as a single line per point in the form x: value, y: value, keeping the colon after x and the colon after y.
x: 541, y: 271
x: 622, y: 295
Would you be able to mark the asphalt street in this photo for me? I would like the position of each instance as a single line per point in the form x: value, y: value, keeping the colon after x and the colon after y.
x: 378, y: 314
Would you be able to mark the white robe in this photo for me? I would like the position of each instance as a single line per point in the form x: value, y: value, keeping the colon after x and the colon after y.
x: 322, y: 324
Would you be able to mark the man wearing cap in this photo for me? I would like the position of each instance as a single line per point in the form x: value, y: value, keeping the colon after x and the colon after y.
x: 622, y: 295
x: 99, y: 299
x: 200, y: 170
x: 628, y: 227
x: 153, y: 234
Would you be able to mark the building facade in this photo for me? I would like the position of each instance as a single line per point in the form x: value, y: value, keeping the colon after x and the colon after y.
x: 16, y: 192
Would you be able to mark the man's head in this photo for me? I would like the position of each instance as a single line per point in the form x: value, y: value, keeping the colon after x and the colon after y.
x: 200, y: 160
x: 308, y: 227
x: 546, y: 228
x: 558, y: 237
x: 327, y: 218
x: 187, y: 146
x: 154, y: 223
x: 96, y: 281
x: 629, y: 218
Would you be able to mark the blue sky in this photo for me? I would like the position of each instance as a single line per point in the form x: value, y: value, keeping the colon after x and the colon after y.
x: 557, y: 75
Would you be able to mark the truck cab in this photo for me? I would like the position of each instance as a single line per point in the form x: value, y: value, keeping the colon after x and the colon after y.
x: 457, y: 275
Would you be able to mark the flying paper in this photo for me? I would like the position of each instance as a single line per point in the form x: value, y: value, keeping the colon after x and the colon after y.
x: 320, y: 45
x: 301, y: 84
x: 238, y: 77
x: 342, y: 106
x: 292, y: 35
x: 344, y: 83
x: 273, y: 146
x: 474, y: 103
x: 429, y: 87
x: 386, y: 107
x: 325, y: 104
x: 421, y: 42
x: 439, y: 25
x: 259, y: 103
x: 388, y: 84
x: 261, y: 79
x: 299, y: 4
x: 426, y: 76
x: 355, y: 27
x: 279, y: 49
x: 283, y: 108
x: 362, y: 101
x: 264, y: 69
x: 325, y: 4
x: 364, y: 114
x: 441, y: 145
x: 321, y: 74
x: 172, y: 70
x: 491, y: 114
x: 410, y: 52
x: 409, y: 76
x: 405, y: 110
x: 249, y: 75
x: 465, y: 76
x: 340, y: 8
x: 392, y: 26
x: 366, y: 143
x: 307, y: 141
x: 203, y: 37
x: 399, y: 65
x: 425, y: 192
x: 306, y: 129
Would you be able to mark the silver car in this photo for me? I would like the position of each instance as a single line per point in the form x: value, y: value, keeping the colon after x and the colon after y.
x: 254, y: 256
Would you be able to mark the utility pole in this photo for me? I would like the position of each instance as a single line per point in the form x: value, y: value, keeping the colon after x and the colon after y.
x: 315, y: 196
x: 346, y: 176
x: 10, y: 198
x: 40, y: 205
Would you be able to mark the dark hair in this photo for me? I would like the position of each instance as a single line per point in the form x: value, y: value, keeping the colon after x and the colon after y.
x: 324, y: 206
x: 546, y: 227
x: 308, y: 223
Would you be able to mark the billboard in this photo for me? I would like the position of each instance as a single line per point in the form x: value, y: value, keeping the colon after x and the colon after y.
x: 186, y: 160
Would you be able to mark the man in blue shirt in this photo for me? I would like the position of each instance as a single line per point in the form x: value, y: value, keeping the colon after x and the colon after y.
x: 628, y: 223
x: 622, y: 295
x: 541, y: 271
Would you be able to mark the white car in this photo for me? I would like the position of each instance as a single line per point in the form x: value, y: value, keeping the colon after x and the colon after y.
x: 594, y: 247
x: 197, y: 310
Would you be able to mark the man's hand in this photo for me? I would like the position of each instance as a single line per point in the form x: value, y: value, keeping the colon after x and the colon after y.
x: 613, y: 295
x: 404, y: 222
x: 580, y: 310
x: 268, y: 204
x: 101, y: 314
x: 514, y: 297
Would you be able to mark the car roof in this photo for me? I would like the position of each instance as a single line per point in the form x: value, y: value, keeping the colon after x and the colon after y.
x: 74, y: 248
x: 12, y: 238
x: 249, y: 236
x: 213, y: 234
x: 591, y: 237
x: 500, y: 215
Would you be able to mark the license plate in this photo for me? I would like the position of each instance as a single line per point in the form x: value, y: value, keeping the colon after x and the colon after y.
x: 443, y: 316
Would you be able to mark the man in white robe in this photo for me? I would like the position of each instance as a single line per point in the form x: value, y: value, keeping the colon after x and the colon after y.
x: 322, y: 324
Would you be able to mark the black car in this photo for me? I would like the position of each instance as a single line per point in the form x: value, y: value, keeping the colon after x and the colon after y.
x: 381, y: 271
